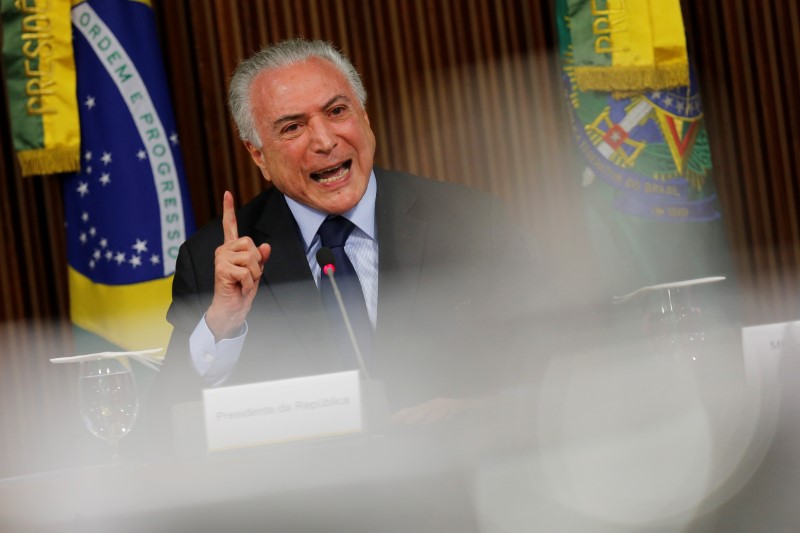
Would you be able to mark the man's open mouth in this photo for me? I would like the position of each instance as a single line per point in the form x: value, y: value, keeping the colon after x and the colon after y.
x: 330, y: 175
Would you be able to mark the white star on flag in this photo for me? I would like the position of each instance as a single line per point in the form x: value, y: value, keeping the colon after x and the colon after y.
x: 85, y: 216
x: 105, y: 178
x: 119, y: 258
x: 106, y: 159
x: 109, y: 255
x: 154, y: 259
x: 83, y: 188
x: 136, y: 261
x: 140, y: 246
x: 92, y: 231
x: 87, y: 156
x: 103, y: 242
x: 83, y: 238
x: 90, y: 102
x: 173, y: 138
x: 91, y: 264
x: 142, y: 155
x: 97, y: 254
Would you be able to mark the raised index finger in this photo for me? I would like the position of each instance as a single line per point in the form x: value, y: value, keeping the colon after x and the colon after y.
x: 229, y: 227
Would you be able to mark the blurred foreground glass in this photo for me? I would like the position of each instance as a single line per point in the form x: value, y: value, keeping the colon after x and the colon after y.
x: 108, y: 400
x: 673, y: 323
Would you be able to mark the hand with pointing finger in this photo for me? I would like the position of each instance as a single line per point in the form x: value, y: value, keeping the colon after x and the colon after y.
x: 238, y: 266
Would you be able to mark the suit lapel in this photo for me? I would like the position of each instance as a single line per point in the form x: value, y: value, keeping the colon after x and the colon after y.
x: 277, y: 227
x: 288, y: 280
x: 401, y: 235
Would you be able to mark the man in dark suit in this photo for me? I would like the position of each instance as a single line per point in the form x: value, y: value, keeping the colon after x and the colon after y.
x: 444, y: 275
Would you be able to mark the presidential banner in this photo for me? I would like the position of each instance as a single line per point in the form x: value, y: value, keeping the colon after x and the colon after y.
x: 40, y: 82
x: 627, y: 46
x: 127, y: 210
x: 644, y: 156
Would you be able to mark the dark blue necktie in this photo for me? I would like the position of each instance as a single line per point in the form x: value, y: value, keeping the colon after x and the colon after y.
x: 333, y: 233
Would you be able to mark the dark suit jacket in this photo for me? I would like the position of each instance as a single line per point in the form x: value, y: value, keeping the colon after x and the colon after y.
x: 448, y: 293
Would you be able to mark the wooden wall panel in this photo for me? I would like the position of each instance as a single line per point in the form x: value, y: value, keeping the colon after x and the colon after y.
x: 746, y: 57
x: 33, y: 395
x: 464, y: 92
x: 459, y: 90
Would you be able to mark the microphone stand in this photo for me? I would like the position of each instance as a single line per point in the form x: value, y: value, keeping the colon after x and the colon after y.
x: 328, y: 271
x: 376, y: 408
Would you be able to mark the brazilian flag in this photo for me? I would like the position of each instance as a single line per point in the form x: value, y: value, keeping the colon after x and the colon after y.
x: 127, y: 209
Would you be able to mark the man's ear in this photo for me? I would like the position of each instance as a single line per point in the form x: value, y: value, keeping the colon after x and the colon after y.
x: 257, y: 154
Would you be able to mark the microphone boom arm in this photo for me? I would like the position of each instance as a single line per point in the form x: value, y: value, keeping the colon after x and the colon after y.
x: 329, y: 272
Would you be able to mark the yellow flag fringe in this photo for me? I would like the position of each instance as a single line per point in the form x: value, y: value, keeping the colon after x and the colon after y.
x: 49, y: 161
x: 633, y: 79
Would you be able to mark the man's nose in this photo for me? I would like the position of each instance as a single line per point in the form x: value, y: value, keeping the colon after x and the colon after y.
x: 323, y: 138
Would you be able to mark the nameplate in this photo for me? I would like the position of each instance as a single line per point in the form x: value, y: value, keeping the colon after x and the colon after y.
x: 772, y: 340
x: 764, y: 347
x: 282, y: 411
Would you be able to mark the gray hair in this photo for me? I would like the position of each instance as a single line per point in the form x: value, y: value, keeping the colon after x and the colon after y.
x: 273, y: 57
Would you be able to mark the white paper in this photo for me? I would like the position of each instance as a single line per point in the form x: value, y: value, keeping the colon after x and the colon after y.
x: 144, y: 357
x: 672, y: 285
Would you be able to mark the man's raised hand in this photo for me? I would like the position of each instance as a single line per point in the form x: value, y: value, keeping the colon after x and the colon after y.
x: 238, y: 266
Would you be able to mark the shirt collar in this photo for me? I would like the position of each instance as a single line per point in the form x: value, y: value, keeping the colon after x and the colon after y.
x: 362, y: 214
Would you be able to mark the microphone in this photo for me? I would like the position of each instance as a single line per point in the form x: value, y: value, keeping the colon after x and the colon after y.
x: 327, y: 264
x: 326, y: 260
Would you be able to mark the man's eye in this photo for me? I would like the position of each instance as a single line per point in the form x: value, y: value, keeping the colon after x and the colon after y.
x: 338, y: 110
x: 291, y: 128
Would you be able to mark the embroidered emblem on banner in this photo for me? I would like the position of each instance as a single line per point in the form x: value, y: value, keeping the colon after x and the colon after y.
x: 651, y: 147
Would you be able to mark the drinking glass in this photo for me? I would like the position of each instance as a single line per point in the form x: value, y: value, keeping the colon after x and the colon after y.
x: 673, y: 322
x: 108, y: 400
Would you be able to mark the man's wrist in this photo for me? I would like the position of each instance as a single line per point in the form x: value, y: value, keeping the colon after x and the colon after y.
x: 224, y: 326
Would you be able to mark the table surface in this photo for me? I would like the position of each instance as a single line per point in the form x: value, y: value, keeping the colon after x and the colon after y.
x: 611, y: 439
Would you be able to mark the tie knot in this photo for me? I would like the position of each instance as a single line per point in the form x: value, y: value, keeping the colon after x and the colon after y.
x: 334, y: 231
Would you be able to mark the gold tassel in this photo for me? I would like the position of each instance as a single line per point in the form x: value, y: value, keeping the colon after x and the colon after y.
x: 49, y: 161
x: 631, y: 79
